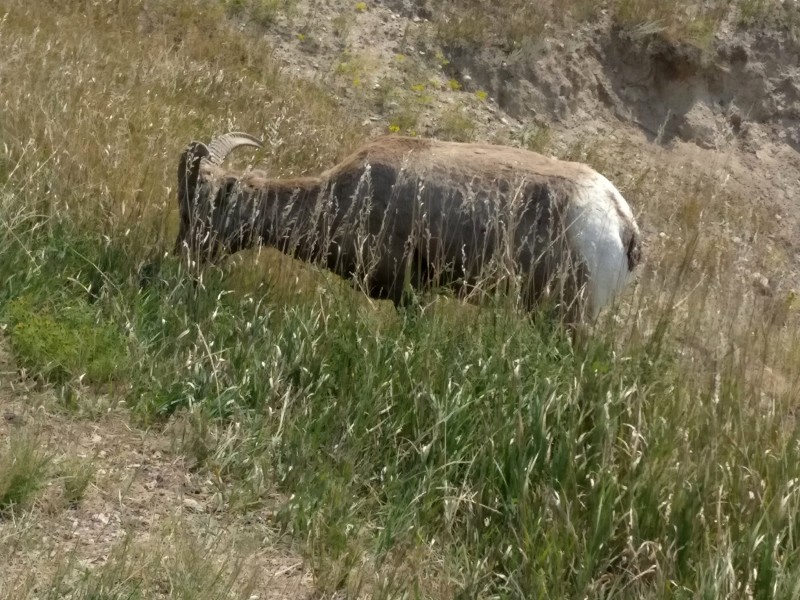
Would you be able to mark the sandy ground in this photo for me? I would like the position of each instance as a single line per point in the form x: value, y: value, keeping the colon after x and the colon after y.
x: 144, y: 502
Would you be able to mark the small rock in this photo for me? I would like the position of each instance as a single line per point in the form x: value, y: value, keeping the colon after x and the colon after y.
x: 13, y: 418
x: 761, y: 284
x: 699, y: 126
x: 735, y: 119
x: 192, y: 505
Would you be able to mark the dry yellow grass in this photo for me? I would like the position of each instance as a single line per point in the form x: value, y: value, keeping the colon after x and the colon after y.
x: 463, y: 444
x: 94, y: 123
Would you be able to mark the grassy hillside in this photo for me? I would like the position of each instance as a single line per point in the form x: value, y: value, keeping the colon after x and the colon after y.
x: 462, y: 451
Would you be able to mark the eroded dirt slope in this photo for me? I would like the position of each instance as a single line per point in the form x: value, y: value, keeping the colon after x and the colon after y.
x: 730, y: 111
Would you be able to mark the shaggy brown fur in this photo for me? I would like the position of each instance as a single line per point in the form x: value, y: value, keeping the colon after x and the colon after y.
x: 402, y: 211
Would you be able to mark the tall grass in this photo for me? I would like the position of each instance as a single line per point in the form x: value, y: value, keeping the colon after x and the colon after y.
x: 23, y: 470
x: 453, y: 452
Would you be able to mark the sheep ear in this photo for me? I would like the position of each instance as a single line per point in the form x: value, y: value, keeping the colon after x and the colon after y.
x: 221, y: 146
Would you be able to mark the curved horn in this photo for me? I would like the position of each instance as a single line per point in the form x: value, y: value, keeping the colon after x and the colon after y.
x: 226, y: 143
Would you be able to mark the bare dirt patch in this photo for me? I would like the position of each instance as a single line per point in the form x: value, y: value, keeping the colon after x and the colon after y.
x: 729, y: 111
x: 145, y: 521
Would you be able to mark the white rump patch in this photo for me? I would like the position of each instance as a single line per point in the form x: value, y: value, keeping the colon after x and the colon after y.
x: 595, y: 226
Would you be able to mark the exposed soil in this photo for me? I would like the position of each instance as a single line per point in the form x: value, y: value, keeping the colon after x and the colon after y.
x: 732, y: 109
x: 143, y: 493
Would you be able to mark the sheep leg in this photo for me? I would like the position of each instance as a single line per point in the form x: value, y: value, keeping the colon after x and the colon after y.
x: 397, y: 273
x: 400, y: 288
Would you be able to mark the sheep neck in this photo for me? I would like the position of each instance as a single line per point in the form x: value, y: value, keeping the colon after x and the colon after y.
x: 287, y: 213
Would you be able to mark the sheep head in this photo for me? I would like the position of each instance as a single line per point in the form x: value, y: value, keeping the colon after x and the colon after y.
x: 204, y: 192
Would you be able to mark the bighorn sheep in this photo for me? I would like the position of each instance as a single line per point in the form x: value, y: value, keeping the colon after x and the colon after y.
x: 405, y: 211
